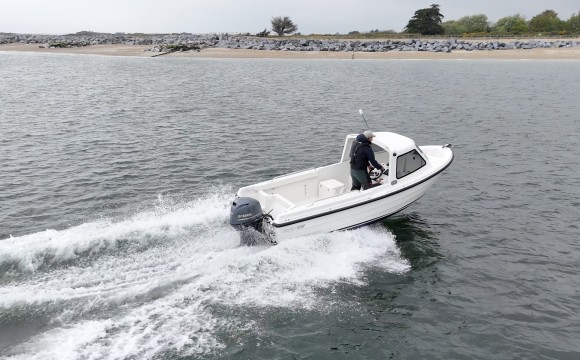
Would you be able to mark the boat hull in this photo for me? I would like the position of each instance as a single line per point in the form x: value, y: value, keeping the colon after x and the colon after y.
x: 365, y: 213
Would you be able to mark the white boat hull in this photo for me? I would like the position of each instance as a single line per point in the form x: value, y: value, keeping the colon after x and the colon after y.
x: 321, y: 200
x: 372, y: 210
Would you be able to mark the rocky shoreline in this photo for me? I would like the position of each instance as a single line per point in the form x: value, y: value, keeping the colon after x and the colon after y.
x: 196, y: 42
x: 444, y: 46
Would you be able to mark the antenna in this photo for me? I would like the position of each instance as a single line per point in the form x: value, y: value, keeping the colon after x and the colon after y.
x: 361, y: 112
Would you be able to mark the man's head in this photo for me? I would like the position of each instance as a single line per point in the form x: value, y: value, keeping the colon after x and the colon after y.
x: 369, y: 135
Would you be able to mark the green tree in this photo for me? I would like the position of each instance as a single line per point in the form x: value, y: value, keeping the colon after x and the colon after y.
x: 521, y: 27
x: 426, y: 21
x: 546, y: 21
x: 264, y: 33
x: 573, y: 24
x: 452, y: 27
x: 511, y: 24
x: 283, y: 25
x: 475, y: 23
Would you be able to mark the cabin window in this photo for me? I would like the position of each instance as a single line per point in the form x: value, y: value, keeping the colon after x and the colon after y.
x: 409, y: 163
x: 377, y: 149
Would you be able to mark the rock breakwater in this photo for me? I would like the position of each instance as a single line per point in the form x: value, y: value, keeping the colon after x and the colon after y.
x: 444, y: 46
x: 196, y: 42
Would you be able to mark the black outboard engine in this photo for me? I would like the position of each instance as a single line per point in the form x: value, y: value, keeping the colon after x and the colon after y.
x: 246, y: 216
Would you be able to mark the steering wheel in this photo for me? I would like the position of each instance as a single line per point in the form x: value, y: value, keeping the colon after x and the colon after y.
x: 375, y: 173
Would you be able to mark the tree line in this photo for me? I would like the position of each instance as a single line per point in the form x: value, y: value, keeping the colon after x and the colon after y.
x: 429, y: 21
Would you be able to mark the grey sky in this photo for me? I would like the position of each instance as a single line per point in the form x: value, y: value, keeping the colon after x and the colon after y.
x: 312, y: 16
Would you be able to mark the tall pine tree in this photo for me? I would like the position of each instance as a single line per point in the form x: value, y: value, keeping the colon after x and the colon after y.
x: 426, y: 21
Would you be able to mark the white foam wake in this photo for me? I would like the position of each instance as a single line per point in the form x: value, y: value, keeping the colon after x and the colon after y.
x: 27, y: 253
x: 171, y: 299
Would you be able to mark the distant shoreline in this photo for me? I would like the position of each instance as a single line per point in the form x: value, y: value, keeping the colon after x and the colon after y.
x: 137, y: 51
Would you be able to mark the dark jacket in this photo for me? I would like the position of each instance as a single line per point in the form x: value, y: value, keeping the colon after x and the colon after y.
x: 364, y: 155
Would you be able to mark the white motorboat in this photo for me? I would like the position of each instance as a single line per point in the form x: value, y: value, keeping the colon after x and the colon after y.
x: 320, y: 200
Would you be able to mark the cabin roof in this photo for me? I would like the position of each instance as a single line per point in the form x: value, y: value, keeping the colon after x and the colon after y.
x: 392, y: 141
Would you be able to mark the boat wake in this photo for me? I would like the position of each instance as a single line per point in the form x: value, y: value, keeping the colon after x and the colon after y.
x: 171, y: 280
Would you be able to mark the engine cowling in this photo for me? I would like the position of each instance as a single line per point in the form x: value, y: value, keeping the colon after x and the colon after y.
x: 246, y: 213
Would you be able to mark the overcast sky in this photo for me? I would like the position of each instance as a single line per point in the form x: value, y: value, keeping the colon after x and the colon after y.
x: 312, y: 16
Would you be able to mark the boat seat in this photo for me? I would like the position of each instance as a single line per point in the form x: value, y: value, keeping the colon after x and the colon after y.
x: 275, y: 200
x: 330, y: 188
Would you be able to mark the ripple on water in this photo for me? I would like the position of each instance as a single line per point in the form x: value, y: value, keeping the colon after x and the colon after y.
x: 132, y: 175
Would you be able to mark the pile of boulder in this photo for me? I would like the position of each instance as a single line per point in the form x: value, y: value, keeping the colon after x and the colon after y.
x: 194, y: 45
x: 54, y: 45
x: 444, y: 46
x: 108, y: 39
x: 196, y: 42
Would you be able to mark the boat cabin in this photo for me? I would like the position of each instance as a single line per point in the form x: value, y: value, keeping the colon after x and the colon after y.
x: 321, y: 185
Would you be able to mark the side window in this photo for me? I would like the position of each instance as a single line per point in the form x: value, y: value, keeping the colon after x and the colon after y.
x: 409, y: 163
x: 377, y: 149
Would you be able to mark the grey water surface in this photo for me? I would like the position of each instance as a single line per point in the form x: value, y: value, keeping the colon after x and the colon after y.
x: 116, y: 179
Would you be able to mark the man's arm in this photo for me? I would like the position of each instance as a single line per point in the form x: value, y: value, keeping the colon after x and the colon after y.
x: 371, y: 157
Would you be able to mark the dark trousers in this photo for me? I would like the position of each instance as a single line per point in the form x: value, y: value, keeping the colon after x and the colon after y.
x: 360, y: 178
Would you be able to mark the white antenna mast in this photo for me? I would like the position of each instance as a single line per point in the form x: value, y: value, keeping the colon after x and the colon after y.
x: 361, y: 112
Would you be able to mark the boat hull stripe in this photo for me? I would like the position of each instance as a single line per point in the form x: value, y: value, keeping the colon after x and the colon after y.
x: 368, y: 222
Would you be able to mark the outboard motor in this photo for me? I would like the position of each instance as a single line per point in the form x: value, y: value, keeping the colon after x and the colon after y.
x: 246, y: 216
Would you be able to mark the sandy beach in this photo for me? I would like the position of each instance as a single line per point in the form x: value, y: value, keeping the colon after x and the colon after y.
x: 137, y: 50
x: 110, y: 50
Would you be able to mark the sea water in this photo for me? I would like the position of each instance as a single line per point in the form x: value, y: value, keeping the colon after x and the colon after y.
x: 118, y: 173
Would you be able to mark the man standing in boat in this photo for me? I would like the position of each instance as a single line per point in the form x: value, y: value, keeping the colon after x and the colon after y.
x: 362, y: 155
